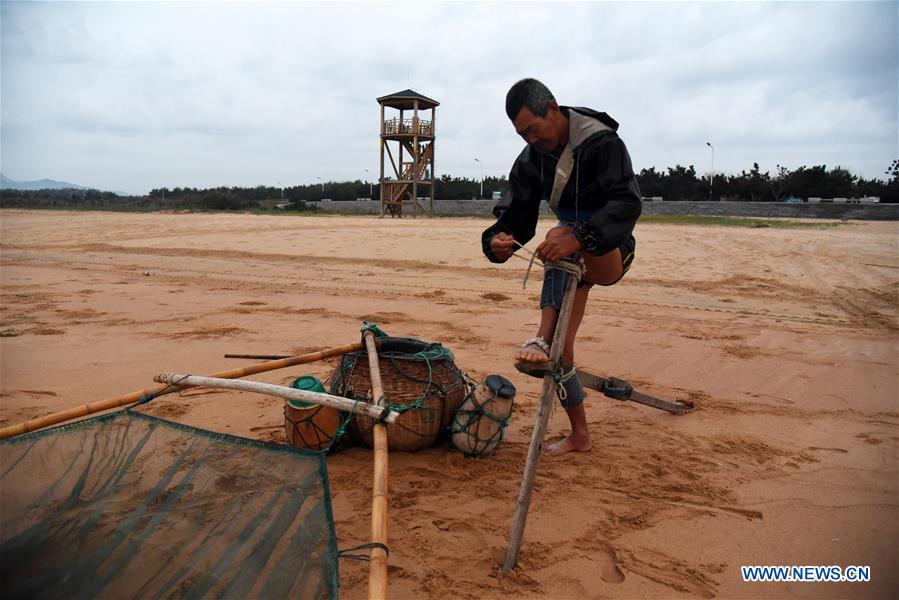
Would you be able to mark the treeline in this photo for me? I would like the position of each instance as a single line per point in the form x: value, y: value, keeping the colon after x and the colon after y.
x: 211, y: 199
x: 674, y: 184
x: 235, y: 198
x: 681, y: 183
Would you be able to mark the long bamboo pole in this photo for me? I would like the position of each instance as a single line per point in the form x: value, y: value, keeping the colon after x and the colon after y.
x: 536, y: 448
x: 288, y: 393
x: 124, y: 400
x: 377, y: 571
x: 259, y: 356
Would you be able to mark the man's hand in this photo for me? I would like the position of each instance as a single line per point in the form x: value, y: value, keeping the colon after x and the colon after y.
x: 502, y: 245
x: 559, y: 243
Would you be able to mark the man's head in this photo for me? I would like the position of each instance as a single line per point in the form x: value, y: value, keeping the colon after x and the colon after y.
x: 536, y: 115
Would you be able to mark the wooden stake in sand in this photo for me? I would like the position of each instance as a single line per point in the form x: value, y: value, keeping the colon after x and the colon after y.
x: 95, y: 407
x: 377, y: 571
x: 288, y: 393
x: 536, y: 448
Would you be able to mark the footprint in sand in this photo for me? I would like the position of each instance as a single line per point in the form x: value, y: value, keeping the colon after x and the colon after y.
x: 469, y: 535
x: 603, y: 556
x: 609, y: 570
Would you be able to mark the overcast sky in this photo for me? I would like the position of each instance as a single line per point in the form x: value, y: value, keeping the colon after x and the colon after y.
x: 130, y: 96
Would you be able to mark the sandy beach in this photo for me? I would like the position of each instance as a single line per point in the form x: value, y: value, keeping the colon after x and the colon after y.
x: 786, y: 341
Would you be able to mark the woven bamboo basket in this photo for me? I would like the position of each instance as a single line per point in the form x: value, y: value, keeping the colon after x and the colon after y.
x: 418, y: 378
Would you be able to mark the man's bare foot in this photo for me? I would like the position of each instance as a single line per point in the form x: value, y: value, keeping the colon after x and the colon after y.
x: 535, y: 350
x: 566, y: 445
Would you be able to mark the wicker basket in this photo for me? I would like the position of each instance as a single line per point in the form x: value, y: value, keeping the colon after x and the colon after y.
x: 410, y: 375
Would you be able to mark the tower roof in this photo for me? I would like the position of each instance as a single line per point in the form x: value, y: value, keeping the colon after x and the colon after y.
x: 404, y: 100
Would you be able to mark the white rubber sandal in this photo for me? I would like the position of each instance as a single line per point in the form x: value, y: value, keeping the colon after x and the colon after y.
x: 535, y: 369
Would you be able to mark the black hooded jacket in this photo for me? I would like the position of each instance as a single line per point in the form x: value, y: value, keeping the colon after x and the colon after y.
x: 602, y: 182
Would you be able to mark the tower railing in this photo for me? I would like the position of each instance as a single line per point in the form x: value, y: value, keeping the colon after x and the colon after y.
x: 409, y: 126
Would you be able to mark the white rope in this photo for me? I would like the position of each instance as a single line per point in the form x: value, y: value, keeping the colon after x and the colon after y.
x: 572, y: 268
x: 563, y: 379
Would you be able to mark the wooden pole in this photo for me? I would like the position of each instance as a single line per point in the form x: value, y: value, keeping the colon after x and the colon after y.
x: 288, y: 393
x: 377, y: 571
x: 381, y: 185
x: 402, y: 175
x: 95, y: 407
x: 416, y: 157
x: 433, y: 150
x: 547, y: 398
x: 621, y: 389
x: 259, y: 356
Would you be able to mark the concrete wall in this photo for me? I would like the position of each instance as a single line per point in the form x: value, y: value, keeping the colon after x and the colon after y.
x: 354, y: 207
x: 862, y: 212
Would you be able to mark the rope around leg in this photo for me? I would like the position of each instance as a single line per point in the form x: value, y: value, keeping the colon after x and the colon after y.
x: 574, y: 266
x: 569, y: 388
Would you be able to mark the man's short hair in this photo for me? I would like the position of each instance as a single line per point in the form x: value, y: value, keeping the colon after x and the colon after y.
x: 531, y: 94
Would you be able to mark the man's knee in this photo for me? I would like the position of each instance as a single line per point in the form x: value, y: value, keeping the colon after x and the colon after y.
x: 605, y: 269
x: 609, y: 268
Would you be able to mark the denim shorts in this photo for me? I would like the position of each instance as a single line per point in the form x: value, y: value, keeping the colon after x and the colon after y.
x: 554, y: 280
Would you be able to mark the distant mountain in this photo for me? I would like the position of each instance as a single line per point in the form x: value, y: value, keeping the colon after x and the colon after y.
x: 41, y: 184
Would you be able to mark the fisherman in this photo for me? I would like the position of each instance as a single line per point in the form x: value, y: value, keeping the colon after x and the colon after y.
x: 575, y: 159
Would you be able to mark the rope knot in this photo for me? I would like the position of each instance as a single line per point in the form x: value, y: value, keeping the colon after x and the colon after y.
x: 373, y: 329
x: 561, y: 378
x: 573, y: 265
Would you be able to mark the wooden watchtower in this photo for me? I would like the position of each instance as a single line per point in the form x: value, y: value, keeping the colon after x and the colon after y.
x: 410, y: 176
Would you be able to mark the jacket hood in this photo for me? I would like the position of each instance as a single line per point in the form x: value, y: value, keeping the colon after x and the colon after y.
x: 602, y: 117
x: 583, y: 126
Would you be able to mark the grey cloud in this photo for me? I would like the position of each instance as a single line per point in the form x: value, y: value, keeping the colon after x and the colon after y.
x: 251, y: 93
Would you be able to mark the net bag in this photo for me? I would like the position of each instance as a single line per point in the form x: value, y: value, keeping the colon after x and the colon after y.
x: 312, y: 426
x: 482, y: 418
x: 419, y: 379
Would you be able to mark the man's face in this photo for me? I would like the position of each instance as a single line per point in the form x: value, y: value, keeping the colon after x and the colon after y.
x: 545, y: 133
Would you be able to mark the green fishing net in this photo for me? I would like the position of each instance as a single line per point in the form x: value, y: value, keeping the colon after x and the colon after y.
x: 131, y: 506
